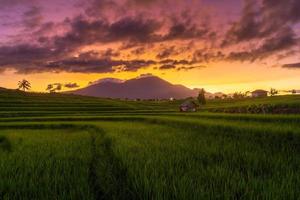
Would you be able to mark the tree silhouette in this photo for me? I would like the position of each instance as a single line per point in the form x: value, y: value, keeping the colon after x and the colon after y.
x: 247, y: 93
x: 53, y: 88
x: 239, y: 95
x: 273, y: 92
x: 201, y: 97
x: 49, y: 87
x: 24, y: 85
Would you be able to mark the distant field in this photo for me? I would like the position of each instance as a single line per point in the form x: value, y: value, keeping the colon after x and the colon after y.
x: 289, y: 104
x: 71, y: 147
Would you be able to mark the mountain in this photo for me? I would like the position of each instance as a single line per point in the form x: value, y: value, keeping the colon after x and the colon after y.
x: 145, y: 87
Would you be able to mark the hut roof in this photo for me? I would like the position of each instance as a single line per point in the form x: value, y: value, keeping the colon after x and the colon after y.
x: 189, y: 104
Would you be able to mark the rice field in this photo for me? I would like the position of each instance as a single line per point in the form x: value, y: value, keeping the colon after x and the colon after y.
x: 71, y: 147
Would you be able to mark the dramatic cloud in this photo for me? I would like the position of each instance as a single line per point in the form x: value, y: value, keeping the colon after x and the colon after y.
x: 260, y: 20
x: 24, y: 54
x: 279, y: 42
x: 248, y: 27
x: 107, y: 36
x: 96, y: 65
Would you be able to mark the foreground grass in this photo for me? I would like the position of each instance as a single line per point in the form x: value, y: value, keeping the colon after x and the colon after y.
x: 169, y: 163
x: 151, y: 158
x: 47, y: 164
x: 72, y: 147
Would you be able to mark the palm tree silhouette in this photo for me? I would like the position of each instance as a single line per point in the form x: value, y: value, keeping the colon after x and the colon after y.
x: 24, y: 85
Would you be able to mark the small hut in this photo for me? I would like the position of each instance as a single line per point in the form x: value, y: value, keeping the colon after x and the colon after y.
x: 259, y: 93
x: 188, y: 106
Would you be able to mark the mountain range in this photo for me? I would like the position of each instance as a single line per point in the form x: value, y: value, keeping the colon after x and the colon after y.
x: 144, y: 87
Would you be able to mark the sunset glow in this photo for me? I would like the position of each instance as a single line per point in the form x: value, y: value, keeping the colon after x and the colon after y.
x: 237, y: 45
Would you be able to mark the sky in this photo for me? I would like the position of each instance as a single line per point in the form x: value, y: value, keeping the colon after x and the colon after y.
x: 219, y: 45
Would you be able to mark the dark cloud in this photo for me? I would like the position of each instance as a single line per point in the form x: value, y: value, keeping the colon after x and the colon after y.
x: 105, y: 54
x: 167, y: 66
x: 139, y: 51
x: 166, y: 52
x: 261, y: 20
x: 23, y: 55
x: 108, y: 53
x: 85, y: 32
x: 204, y: 56
x: 82, y: 32
x: 135, y: 29
x: 96, y: 65
x: 187, y: 68
x: 282, y: 41
x: 185, y: 65
x: 176, y: 62
x: 180, y: 68
x: 131, y: 30
x: 35, y: 59
x: 81, y: 65
x: 269, y: 28
x: 287, y: 11
x: 248, y: 27
x: 186, y: 31
x: 291, y: 66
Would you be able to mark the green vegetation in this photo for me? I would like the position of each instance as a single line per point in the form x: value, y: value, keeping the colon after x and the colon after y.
x: 201, y: 97
x: 289, y: 104
x: 55, y: 146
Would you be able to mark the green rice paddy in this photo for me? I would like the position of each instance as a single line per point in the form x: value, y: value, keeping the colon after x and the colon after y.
x: 72, y: 147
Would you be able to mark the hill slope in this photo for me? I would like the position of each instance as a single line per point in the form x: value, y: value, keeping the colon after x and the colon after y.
x: 143, y: 88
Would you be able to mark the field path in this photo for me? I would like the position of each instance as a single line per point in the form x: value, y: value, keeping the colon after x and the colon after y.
x: 93, y: 179
x: 108, y: 177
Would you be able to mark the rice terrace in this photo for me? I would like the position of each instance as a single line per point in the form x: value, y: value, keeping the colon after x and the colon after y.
x: 56, y: 146
x: 149, y: 99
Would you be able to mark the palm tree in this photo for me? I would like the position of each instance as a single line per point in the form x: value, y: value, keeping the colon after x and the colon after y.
x: 24, y: 85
